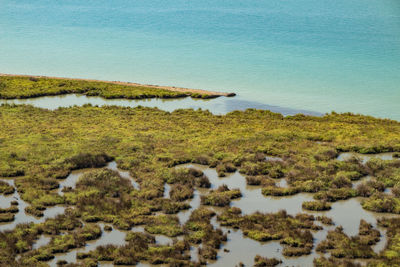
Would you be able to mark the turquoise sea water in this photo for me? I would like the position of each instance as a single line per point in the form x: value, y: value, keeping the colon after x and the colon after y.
x: 316, y: 55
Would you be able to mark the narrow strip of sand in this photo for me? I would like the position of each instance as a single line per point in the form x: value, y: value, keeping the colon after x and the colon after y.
x: 169, y: 88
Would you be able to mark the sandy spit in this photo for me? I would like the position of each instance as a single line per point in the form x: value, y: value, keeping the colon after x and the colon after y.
x: 169, y: 88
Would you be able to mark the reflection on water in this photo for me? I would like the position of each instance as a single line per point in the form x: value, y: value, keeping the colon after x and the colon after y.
x: 163, y: 240
x: 194, y: 204
x: 194, y: 253
x: 243, y: 249
x: 42, y: 241
x: 167, y: 189
x: 282, y: 183
x: 269, y: 158
x: 362, y: 180
x: 348, y: 214
x: 364, y: 157
x: 71, y: 180
x: 380, y: 246
x: 221, y: 105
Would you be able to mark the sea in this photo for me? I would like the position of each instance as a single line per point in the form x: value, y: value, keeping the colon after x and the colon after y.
x: 314, y: 55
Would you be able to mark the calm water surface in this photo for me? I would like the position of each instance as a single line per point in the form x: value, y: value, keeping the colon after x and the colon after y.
x: 316, y: 55
x: 219, y: 106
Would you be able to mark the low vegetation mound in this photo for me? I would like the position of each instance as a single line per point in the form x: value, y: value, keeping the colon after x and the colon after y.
x: 316, y: 205
x: 342, y: 246
x: 220, y: 197
x: 293, y: 232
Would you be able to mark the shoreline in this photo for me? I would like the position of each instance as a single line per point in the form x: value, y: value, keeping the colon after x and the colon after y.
x: 218, y: 106
x: 168, y: 88
x: 184, y: 92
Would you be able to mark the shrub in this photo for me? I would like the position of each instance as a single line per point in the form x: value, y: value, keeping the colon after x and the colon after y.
x: 333, y: 195
x: 396, y: 190
x: 379, y: 202
x: 180, y: 192
x: 12, y: 209
x: 325, y: 220
x: 279, y: 191
x: 342, y: 246
x: 265, y: 262
x: 5, y: 188
x: 341, y: 181
x: 316, y: 205
x: 292, y: 231
x: 203, y: 182
x: 108, y: 228
x: 6, y: 217
x: 87, y: 160
x: 220, y: 197
x: 164, y: 224
x: 260, y: 180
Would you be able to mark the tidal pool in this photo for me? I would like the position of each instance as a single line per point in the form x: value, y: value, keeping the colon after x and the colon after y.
x: 243, y: 249
x: 194, y: 204
x: 42, y: 241
x: 238, y: 247
x: 21, y: 216
x: 362, y: 180
x: 365, y: 157
x: 71, y: 180
x: 74, y: 176
x: 124, y: 174
x: 114, y: 237
x: 167, y: 189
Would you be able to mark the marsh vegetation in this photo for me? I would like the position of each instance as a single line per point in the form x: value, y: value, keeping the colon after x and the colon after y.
x: 12, y: 87
x: 243, y: 157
